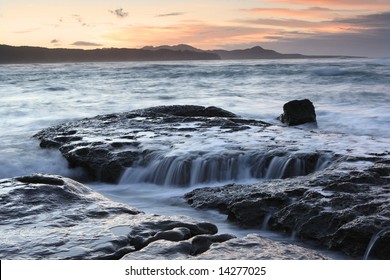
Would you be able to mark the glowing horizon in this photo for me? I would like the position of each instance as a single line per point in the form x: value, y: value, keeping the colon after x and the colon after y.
x: 354, y: 27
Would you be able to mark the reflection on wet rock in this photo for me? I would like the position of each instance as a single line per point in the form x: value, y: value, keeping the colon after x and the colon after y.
x: 52, y: 217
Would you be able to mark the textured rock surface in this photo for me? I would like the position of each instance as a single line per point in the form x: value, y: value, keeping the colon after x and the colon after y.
x: 176, y: 140
x: 298, y: 112
x: 106, y: 145
x: 342, y: 207
x: 51, y: 217
x: 251, y: 247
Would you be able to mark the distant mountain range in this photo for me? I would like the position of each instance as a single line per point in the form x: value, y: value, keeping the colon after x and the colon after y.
x: 11, y: 54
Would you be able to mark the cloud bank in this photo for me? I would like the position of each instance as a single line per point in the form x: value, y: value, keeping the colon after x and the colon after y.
x: 368, y: 35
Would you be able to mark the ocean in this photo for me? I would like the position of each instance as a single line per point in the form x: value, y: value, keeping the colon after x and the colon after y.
x: 351, y: 98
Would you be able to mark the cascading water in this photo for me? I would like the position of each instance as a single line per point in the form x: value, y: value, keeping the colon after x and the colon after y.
x: 373, y: 241
x: 190, y: 170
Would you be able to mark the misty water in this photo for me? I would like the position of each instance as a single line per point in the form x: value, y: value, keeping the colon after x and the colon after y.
x: 351, y: 97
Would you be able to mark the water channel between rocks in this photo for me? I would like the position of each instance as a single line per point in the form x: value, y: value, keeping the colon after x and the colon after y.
x: 169, y: 201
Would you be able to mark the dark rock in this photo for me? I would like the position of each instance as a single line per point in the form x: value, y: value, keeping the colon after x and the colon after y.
x: 369, y: 228
x: 185, y: 111
x: 298, y: 112
x: 52, y: 217
x: 341, y: 207
x: 169, y: 249
x: 176, y: 234
x: 106, y: 146
x: 202, y: 243
x: 224, y: 247
x: 42, y: 179
x: 173, y: 231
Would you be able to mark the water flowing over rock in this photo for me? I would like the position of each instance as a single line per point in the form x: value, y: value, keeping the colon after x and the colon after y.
x: 298, y: 112
x: 52, y: 217
x: 182, y: 145
x: 191, y: 170
x: 343, y: 207
x: 316, y: 186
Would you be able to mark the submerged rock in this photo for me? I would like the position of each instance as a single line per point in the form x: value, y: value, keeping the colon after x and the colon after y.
x: 298, y: 112
x: 182, y: 145
x: 342, y: 207
x: 52, y: 217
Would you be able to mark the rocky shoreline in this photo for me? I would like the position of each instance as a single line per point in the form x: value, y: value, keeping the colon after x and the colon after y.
x: 341, y: 207
x: 313, y: 185
x: 52, y: 217
x: 105, y: 146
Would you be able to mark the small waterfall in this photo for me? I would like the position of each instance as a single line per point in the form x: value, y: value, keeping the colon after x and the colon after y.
x: 266, y: 220
x: 281, y: 167
x: 193, y: 169
x: 294, y: 235
x: 375, y: 237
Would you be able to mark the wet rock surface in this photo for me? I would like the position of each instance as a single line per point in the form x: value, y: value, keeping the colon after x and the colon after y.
x: 224, y: 247
x: 52, y: 217
x: 185, y: 144
x: 326, y: 188
x: 343, y: 207
x: 298, y: 112
x: 105, y: 145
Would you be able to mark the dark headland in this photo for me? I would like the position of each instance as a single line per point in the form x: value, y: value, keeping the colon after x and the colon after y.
x: 26, y: 54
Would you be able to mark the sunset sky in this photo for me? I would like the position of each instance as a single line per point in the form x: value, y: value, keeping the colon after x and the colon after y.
x: 345, y: 27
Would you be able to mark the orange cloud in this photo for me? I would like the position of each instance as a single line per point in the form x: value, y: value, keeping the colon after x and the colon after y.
x: 284, y: 23
x: 309, y: 13
x: 208, y: 36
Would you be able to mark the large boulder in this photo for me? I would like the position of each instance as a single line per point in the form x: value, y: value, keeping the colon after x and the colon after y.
x: 182, y: 145
x: 298, y: 112
x: 106, y: 145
